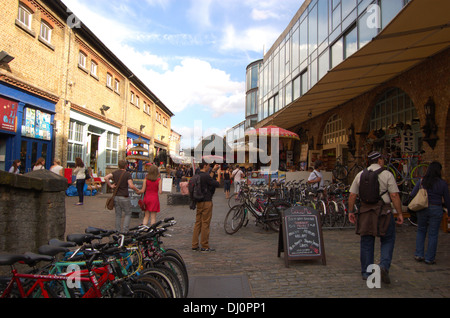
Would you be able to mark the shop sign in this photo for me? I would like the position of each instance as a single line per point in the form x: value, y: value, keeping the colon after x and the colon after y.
x: 8, y: 115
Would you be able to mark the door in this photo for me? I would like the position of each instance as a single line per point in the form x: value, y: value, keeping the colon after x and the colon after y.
x: 31, y: 150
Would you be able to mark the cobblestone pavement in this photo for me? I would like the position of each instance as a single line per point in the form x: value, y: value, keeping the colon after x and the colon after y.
x: 252, y: 253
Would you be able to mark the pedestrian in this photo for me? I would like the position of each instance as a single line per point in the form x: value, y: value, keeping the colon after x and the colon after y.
x: 237, y: 176
x: 178, y: 175
x: 15, y: 167
x: 184, y: 186
x: 204, y: 209
x: 429, y: 219
x: 315, y: 177
x: 80, y: 173
x: 57, y: 168
x: 123, y: 181
x: 227, y: 182
x: 368, y: 221
x: 151, y: 189
x: 40, y: 164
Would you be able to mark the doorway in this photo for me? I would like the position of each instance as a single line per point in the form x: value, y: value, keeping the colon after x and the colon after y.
x: 93, y: 159
x: 31, y: 150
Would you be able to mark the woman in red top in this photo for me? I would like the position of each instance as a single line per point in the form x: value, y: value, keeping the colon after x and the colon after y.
x: 152, y: 188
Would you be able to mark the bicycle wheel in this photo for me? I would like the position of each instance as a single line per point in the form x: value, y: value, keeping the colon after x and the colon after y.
x: 340, y: 216
x: 340, y: 172
x: 142, y: 291
x: 273, y: 213
x: 178, y: 269
x: 234, y: 219
x: 154, y: 284
x: 322, y: 209
x: 235, y: 199
x: 167, y: 279
x: 418, y: 173
x: 330, y: 212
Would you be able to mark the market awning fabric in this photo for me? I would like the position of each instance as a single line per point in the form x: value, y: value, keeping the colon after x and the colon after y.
x: 419, y: 31
x: 272, y: 131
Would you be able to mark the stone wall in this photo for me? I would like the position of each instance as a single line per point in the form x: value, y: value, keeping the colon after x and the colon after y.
x: 32, y: 210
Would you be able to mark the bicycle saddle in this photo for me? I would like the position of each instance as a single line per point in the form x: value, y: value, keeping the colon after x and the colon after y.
x: 59, y: 243
x: 10, y: 259
x: 79, y: 239
x: 52, y: 250
x: 33, y: 259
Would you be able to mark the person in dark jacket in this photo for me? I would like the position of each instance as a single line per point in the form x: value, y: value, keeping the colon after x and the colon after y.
x: 429, y: 219
x: 204, y: 209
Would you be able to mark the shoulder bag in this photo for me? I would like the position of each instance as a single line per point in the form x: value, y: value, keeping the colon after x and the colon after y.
x: 110, y: 201
x: 420, y: 201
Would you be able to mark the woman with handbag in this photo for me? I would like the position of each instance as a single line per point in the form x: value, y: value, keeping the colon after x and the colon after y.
x: 429, y: 219
x: 151, y: 189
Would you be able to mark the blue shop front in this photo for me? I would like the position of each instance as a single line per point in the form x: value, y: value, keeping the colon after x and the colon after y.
x: 26, y: 128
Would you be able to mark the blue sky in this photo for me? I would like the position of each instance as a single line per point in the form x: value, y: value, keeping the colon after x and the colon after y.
x: 191, y: 53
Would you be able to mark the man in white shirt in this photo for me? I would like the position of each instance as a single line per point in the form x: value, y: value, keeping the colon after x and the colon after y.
x: 316, y: 177
x: 237, y: 174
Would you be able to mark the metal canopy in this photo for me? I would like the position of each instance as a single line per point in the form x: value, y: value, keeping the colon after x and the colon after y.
x: 419, y: 31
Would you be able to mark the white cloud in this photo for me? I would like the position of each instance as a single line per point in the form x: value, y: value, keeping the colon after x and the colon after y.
x: 252, y: 39
x: 196, y: 82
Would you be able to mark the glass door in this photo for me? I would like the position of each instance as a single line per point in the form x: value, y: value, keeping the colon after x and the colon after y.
x: 31, y: 150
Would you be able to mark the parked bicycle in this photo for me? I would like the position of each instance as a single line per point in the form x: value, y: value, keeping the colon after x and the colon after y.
x: 341, y: 171
x: 265, y: 209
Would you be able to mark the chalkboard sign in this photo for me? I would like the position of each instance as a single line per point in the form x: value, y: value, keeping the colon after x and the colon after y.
x: 300, y: 236
x: 134, y: 198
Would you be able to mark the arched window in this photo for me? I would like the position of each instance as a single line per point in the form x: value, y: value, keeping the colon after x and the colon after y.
x: 393, y: 119
x: 334, y: 132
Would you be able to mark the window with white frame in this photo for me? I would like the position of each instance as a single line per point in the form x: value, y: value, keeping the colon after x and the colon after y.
x: 137, y: 101
x: 132, y: 98
x: 75, y: 141
x: 82, y: 58
x: 334, y: 132
x: 116, y: 85
x: 112, y: 149
x: 24, y: 16
x: 109, y: 79
x: 46, y: 32
x: 94, y: 67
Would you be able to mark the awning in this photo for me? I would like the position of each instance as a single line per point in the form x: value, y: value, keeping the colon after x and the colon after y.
x: 419, y: 31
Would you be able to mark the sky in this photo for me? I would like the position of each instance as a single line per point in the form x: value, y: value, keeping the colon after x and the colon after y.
x: 192, y: 54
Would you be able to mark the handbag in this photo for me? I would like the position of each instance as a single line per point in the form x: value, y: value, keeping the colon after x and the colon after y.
x: 110, y: 201
x: 142, y: 205
x: 420, y: 201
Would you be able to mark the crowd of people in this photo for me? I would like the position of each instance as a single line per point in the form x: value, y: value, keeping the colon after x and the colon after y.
x: 367, y: 219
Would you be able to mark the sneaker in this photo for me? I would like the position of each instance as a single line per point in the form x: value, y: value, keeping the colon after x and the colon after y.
x: 385, y: 276
x: 208, y: 250
x: 196, y: 249
x: 79, y: 203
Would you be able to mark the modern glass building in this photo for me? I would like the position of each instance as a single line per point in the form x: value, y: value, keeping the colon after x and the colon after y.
x: 322, y: 34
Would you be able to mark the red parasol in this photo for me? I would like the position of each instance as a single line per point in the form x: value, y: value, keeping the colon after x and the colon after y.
x: 272, y: 131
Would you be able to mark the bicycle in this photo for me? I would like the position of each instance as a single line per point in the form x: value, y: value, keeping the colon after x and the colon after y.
x: 407, y: 170
x: 341, y: 171
x: 266, y: 211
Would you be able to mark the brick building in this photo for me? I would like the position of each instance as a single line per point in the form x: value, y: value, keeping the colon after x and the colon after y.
x: 351, y: 76
x: 66, y: 95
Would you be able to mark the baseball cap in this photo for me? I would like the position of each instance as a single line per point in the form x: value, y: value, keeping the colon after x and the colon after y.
x: 374, y: 155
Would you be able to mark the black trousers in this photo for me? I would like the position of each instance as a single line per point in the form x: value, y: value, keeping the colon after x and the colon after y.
x: 80, y: 188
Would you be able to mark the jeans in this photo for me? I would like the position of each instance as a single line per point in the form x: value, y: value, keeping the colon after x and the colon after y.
x: 80, y: 189
x: 428, y: 222
x: 386, y: 249
x: 122, y: 204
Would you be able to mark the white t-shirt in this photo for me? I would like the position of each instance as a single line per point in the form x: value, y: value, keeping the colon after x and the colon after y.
x: 237, y: 175
x: 314, y: 175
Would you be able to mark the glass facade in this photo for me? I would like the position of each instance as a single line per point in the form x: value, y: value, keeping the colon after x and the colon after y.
x: 326, y: 33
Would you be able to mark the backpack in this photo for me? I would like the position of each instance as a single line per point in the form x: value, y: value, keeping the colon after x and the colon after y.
x: 369, y: 186
x: 196, y: 191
